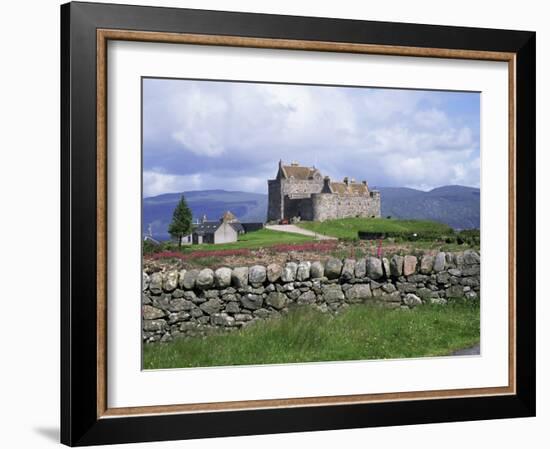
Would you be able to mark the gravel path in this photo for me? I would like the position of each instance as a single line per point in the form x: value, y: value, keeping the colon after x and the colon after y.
x: 297, y: 230
x: 474, y: 350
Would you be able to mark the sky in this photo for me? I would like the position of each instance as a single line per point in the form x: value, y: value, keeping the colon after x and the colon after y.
x: 202, y: 135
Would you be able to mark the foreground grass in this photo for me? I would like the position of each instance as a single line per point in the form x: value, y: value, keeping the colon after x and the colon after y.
x: 347, y: 228
x: 305, y: 335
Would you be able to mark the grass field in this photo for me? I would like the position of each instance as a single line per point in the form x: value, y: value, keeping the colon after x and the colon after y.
x: 347, y: 228
x: 306, y: 335
x: 257, y: 239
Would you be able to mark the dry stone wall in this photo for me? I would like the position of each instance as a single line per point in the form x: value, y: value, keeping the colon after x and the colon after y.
x: 195, y: 302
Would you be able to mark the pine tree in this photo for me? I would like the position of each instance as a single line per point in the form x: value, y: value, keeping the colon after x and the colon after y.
x: 181, y: 221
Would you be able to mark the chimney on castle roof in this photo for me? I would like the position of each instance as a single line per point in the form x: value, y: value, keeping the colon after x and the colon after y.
x: 326, y: 185
x: 204, y: 219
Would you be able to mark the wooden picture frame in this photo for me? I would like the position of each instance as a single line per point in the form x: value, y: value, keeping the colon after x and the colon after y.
x: 85, y: 416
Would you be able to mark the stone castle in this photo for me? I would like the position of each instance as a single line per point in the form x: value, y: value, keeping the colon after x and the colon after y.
x: 304, y: 193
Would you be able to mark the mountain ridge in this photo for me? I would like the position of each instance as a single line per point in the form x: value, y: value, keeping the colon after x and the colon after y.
x: 455, y: 205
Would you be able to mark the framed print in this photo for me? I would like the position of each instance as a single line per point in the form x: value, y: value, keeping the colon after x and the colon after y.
x: 281, y: 224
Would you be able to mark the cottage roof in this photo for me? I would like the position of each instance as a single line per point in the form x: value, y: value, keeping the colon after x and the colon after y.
x: 207, y: 227
x: 237, y: 226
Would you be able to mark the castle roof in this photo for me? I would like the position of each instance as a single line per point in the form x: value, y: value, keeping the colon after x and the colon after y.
x: 297, y: 171
x: 350, y: 188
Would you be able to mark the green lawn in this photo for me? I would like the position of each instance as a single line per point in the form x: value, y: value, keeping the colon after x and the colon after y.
x: 256, y: 239
x: 305, y: 335
x: 347, y: 228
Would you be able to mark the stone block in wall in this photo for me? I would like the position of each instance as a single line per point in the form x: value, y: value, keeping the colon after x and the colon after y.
x: 470, y: 281
x: 222, y: 319
x: 273, y: 272
x: 439, y: 262
x: 317, y: 270
x: 154, y: 325
x: 361, y: 268
x: 211, y: 306
x: 454, y: 291
x: 162, y: 301
x: 374, y: 268
x: 222, y: 277
x: 303, y: 271
x: 348, y: 269
x: 386, y: 267
x: 205, y: 279
x: 418, y: 278
x: 177, y: 317
x: 459, y: 259
x: 239, y: 277
x: 308, y: 297
x: 178, y: 293
x: 232, y: 307
x: 443, y: 278
x: 294, y: 294
x: 412, y: 300
x: 261, y: 313
x: 170, y: 281
x: 471, y: 257
x: 332, y: 293
x: 151, y: 313
x: 155, y: 283
x: 251, y: 301
x: 406, y: 287
x: 289, y: 272
x: 396, y: 265
x: 144, y: 281
x: 425, y: 293
x: 243, y: 317
x: 470, y: 270
x: 257, y: 275
x: 358, y: 293
x: 189, y: 279
x: 394, y: 297
x: 277, y: 300
x: 180, y: 304
x: 471, y: 295
x: 426, y: 264
x: 333, y: 268
x: 181, y: 275
x: 409, y: 265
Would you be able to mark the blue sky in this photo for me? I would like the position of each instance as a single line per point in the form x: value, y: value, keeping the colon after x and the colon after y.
x: 200, y: 135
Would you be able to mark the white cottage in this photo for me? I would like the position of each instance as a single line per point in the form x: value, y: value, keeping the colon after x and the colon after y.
x: 225, y: 230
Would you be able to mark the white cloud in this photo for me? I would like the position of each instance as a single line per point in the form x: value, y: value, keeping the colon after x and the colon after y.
x: 397, y: 137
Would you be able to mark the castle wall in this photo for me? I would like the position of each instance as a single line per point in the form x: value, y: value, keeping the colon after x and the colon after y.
x: 374, y: 204
x: 302, y: 207
x: 327, y: 206
x: 274, y: 205
x: 301, y: 187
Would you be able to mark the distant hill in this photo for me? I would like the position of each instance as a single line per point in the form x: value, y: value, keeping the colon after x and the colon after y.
x: 157, y: 210
x: 456, y: 206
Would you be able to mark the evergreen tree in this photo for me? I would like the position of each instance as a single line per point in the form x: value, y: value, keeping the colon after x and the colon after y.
x: 181, y: 221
